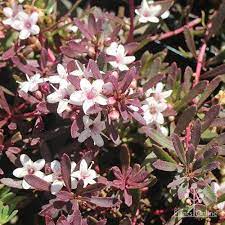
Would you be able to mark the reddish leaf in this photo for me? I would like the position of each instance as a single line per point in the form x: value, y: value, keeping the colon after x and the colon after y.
x: 210, y: 116
x: 37, y: 183
x: 66, y: 171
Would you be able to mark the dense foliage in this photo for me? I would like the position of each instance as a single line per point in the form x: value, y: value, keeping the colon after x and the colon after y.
x: 112, y: 112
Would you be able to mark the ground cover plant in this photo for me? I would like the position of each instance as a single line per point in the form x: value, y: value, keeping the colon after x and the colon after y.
x: 112, y: 112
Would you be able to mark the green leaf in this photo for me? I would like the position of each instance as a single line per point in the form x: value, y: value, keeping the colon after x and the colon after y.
x: 209, y: 196
x: 162, y: 154
x: 190, y: 41
x: 198, y: 89
x: 161, y: 139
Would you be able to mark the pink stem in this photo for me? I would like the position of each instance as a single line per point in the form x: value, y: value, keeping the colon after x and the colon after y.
x: 131, y: 32
x: 134, y: 221
x: 174, y: 32
x: 200, y: 63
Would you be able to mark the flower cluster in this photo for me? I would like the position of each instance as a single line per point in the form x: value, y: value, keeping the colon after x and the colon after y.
x: 21, y: 21
x: 84, y: 173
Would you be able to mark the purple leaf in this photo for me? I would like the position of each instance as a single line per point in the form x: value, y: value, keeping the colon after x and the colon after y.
x: 210, y: 116
x: 74, y: 129
x: 9, y: 53
x: 179, y: 148
x: 128, y: 78
x: 184, y: 119
x: 124, y: 157
x: 127, y: 198
x: 37, y: 183
x: 165, y: 166
x: 66, y: 170
x: 104, y: 202
x: 11, y: 183
x: 83, y: 28
x: 65, y: 196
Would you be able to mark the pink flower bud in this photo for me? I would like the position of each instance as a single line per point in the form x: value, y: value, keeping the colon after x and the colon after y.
x: 114, y: 115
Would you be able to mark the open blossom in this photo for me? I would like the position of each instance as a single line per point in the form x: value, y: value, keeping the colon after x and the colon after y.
x: 56, y: 178
x: 89, y: 95
x: 219, y: 190
x: 153, y: 111
x: 121, y: 60
x: 93, y: 129
x: 60, y: 97
x: 27, y: 25
x: 149, y: 12
x: 29, y: 168
x: 85, y: 173
x: 12, y: 14
x: 62, y: 74
x: 157, y: 93
x: 31, y: 84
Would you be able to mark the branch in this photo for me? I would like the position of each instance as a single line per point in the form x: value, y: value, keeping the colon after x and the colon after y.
x: 200, y: 63
x: 169, y: 34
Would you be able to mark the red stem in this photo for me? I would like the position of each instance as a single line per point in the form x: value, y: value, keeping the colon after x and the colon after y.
x: 200, y: 63
x: 131, y: 32
x: 174, y: 32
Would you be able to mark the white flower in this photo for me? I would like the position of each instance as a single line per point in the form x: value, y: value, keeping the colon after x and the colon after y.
x: 85, y: 173
x: 92, y: 129
x: 72, y: 28
x: 219, y: 190
x: 149, y: 12
x: 12, y: 14
x: 153, y: 111
x: 56, y: 178
x: 26, y: 24
x: 89, y: 95
x: 157, y: 93
x: 62, y: 74
x: 29, y: 168
x: 59, y: 96
x: 118, y: 51
x: 31, y: 84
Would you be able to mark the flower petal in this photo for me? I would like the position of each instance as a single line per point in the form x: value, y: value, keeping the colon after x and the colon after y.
x: 39, y: 164
x: 97, y: 140
x: 25, y: 185
x: 56, y: 167
x: 85, y: 85
x: 77, y: 98
x: 85, y: 134
x: 20, y: 172
x: 56, y: 186
x: 25, y: 160
x: 24, y: 34
x: 97, y: 85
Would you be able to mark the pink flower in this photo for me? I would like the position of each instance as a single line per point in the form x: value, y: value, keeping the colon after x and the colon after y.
x: 89, y: 95
x: 85, y: 173
x: 26, y: 24
x: 29, y: 167
x: 93, y: 129
x: 121, y: 60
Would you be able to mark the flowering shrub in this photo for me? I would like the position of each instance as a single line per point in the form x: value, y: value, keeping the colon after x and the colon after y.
x: 100, y: 125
